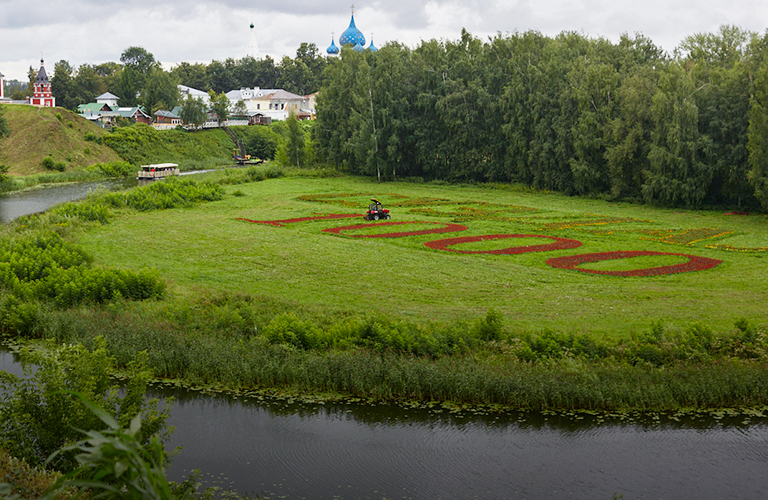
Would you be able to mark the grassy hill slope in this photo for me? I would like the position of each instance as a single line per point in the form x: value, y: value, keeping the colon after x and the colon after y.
x: 142, y: 144
x: 56, y: 132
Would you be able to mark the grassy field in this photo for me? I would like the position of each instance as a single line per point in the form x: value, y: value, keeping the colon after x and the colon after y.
x: 55, y: 132
x: 205, y: 249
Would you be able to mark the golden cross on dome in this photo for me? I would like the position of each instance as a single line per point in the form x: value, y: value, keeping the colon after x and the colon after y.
x: 353, y: 8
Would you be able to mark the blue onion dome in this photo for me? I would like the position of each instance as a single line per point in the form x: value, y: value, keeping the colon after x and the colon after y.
x: 333, y: 49
x: 352, y: 35
x: 372, y: 47
x: 358, y: 48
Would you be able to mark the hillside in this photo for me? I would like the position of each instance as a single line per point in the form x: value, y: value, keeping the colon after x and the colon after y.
x: 39, y: 132
x: 141, y: 144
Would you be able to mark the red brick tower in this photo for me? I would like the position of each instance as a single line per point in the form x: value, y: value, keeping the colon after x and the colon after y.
x: 42, y: 95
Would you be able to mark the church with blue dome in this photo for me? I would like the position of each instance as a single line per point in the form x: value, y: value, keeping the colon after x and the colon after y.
x: 351, y: 37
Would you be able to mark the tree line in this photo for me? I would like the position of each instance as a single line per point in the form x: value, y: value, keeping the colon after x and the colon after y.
x: 139, y: 79
x: 567, y: 113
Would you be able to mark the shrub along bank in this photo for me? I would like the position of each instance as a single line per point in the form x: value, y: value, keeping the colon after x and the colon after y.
x: 245, y: 342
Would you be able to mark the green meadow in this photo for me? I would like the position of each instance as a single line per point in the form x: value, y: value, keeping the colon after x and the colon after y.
x: 205, y: 249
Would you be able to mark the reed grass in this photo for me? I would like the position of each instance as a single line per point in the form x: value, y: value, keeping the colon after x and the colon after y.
x: 490, y: 373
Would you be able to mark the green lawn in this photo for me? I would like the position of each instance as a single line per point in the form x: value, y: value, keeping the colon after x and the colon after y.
x: 206, y: 248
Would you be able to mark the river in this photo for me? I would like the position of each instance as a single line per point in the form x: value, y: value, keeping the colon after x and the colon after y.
x: 293, y: 450
x: 16, y: 204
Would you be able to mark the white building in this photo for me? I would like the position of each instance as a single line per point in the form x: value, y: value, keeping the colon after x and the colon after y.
x: 197, y: 94
x: 276, y: 104
x: 109, y: 99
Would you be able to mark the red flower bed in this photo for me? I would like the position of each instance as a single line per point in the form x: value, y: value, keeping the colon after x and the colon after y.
x: 559, y: 244
x: 282, y: 223
x: 694, y: 263
x: 449, y: 228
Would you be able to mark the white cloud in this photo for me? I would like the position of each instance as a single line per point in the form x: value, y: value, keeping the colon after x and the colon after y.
x: 95, y: 31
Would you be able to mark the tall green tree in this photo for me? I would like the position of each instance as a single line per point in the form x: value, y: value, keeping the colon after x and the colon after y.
x: 266, y: 73
x: 109, y: 73
x: 138, y: 65
x: 63, y: 86
x: 159, y: 91
x: 334, y: 128
x: 294, y: 148
x: 221, y: 76
x: 128, y: 87
x: 757, y: 141
x: 192, y: 75
x: 89, y: 83
x: 193, y: 111
x: 139, y: 60
x: 628, y: 134
x: 680, y: 170
x: 31, y: 76
x: 593, y: 87
x: 219, y: 106
x: 295, y: 76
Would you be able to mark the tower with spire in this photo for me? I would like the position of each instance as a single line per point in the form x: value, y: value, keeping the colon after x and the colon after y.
x: 42, y: 95
x: 2, y: 96
x: 333, y: 50
x: 351, y: 37
x: 253, y: 47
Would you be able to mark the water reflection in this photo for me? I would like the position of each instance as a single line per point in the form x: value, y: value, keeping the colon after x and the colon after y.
x: 290, y: 449
x: 296, y: 450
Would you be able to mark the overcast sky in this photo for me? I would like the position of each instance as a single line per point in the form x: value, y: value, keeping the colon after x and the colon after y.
x: 96, y: 31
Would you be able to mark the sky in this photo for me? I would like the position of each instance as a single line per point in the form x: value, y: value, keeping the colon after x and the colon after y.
x: 97, y: 31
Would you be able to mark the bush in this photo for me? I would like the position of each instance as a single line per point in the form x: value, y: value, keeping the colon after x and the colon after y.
x: 492, y: 326
x: 288, y: 329
x: 44, y: 266
x: 90, y: 136
x: 39, y: 418
x: 114, y: 169
x: 259, y: 141
x: 170, y: 193
x: 93, y: 212
x: 49, y: 163
x: 20, y: 318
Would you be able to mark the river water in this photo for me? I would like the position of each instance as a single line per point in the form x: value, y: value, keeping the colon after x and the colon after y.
x: 292, y: 450
x: 15, y: 204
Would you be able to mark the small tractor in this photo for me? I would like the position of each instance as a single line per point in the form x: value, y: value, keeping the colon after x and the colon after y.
x: 376, y: 211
